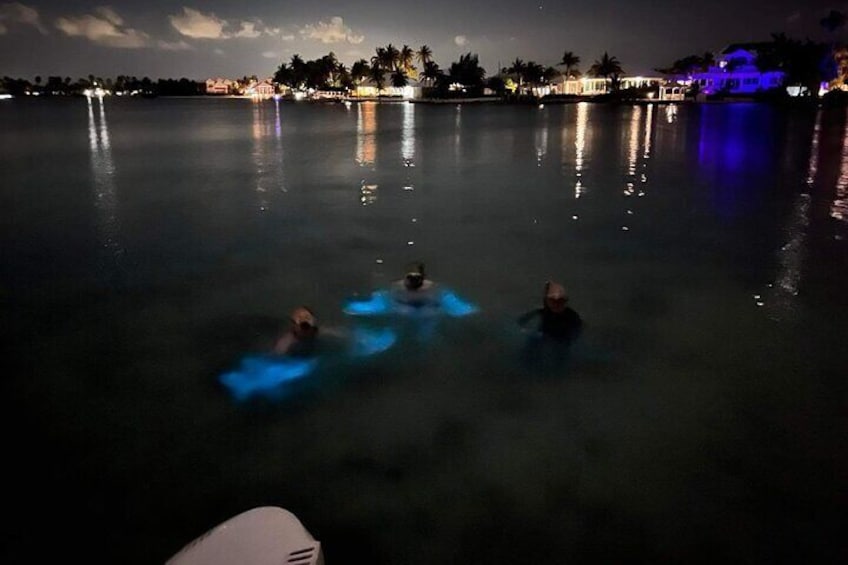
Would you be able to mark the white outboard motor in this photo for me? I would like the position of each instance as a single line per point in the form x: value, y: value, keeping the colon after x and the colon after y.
x: 262, y: 536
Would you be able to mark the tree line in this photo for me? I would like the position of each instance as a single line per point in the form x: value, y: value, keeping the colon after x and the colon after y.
x: 806, y: 63
x: 396, y: 67
x: 125, y: 84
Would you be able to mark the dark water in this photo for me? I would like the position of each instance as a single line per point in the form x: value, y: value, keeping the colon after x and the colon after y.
x: 701, y: 417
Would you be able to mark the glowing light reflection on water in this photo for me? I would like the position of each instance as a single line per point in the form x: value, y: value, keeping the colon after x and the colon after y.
x: 105, y: 192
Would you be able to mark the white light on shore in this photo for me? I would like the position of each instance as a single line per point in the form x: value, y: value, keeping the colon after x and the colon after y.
x: 98, y: 92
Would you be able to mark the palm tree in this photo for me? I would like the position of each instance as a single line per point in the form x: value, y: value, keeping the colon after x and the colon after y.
x: 533, y: 73
x: 609, y: 68
x: 331, y: 62
x: 379, y: 58
x: 343, y: 77
x: 519, y: 69
x: 424, y: 54
x: 316, y: 74
x: 329, y: 66
x: 570, y: 62
x: 801, y: 62
x: 377, y: 76
x: 431, y: 72
x: 405, y: 58
x: 392, y: 58
x: 359, y: 71
x: 283, y: 75
x: 399, y: 79
x: 298, y: 71
x: 467, y: 71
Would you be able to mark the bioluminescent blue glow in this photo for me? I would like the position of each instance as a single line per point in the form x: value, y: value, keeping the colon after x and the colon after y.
x: 381, y: 303
x: 455, y: 306
x: 377, y: 305
x: 258, y: 374
x: 370, y: 342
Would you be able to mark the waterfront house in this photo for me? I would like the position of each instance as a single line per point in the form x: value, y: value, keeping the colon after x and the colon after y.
x: 330, y: 94
x: 736, y: 72
x: 368, y: 89
x: 261, y: 89
x: 219, y: 86
x: 594, y: 86
x: 674, y: 91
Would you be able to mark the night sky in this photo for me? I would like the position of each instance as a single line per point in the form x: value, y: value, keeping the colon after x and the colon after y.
x: 164, y: 38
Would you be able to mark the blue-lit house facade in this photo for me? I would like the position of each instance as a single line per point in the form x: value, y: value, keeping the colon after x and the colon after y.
x: 736, y: 72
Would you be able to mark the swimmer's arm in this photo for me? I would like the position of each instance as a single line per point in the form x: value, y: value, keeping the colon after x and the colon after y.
x: 283, y: 344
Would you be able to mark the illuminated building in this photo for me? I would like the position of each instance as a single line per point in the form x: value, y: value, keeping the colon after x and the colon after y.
x: 736, y: 72
x: 219, y: 86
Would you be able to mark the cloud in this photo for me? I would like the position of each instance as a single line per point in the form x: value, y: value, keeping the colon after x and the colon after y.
x: 110, y: 15
x: 197, y: 25
x: 334, y: 32
x: 460, y: 40
x: 270, y: 55
x: 287, y: 37
x: 105, y: 28
x: 218, y: 51
x: 173, y: 45
x: 250, y: 30
x: 793, y: 18
x: 20, y: 14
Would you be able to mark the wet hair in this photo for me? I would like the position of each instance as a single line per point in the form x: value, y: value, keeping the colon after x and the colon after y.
x: 304, y: 324
x: 416, y: 267
x: 415, y: 275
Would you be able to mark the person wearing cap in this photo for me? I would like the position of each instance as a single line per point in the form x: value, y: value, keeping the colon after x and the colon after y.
x: 415, y: 289
x: 300, y: 339
x: 555, y: 318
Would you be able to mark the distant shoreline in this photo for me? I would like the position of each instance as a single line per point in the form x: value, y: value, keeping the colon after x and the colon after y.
x: 488, y: 100
x: 481, y: 100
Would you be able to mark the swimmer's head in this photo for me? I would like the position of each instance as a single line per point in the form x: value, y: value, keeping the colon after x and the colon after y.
x: 556, y: 299
x: 414, y: 278
x: 304, y: 323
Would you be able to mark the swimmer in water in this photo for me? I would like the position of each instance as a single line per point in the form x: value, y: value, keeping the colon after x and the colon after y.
x: 298, y: 352
x: 415, y: 289
x: 414, y: 295
x: 555, y: 318
x: 301, y: 337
